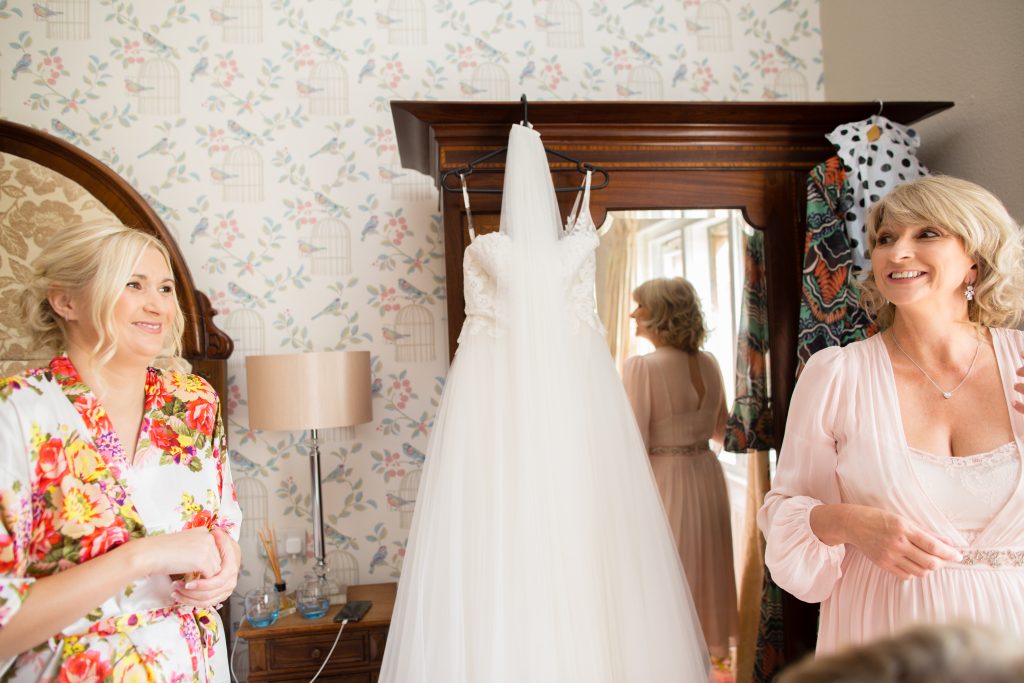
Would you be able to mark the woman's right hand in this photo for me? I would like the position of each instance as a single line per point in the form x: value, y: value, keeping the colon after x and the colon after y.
x: 895, y: 543
x: 193, y: 551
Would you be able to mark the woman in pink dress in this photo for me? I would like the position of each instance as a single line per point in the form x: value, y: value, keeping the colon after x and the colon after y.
x: 679, y: 401
x: 898, y: 497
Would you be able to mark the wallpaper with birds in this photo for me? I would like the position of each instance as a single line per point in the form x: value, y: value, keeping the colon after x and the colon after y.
x: 260, y: 132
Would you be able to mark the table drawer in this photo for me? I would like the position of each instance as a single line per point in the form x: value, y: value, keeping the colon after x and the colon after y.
x: 299, y: 652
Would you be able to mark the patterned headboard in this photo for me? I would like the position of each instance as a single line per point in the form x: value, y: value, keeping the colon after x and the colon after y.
x: 47, y: 185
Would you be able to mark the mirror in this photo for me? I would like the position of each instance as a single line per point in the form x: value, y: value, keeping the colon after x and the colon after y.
x: 707, y: 247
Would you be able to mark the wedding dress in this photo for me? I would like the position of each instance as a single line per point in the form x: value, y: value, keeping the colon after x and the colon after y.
x: 539, y: 550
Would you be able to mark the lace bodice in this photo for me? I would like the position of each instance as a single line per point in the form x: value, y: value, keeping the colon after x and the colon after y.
x: 486, y: 261
x: 971, y: 489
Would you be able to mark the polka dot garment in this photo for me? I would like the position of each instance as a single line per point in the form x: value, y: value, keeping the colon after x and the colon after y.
x: 878, y: 154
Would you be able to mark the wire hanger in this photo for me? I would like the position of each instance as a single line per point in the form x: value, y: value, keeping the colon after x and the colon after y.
x: 460, y: 173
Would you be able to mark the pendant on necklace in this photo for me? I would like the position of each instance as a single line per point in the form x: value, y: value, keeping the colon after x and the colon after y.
x: 947, y: 394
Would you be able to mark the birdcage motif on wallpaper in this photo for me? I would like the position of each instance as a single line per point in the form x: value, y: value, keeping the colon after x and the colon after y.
x: 328, y: 89
x: 243, y: 175
x: 65, y: 19
x: 332, y: 242
x: 158, y: 87
x: 343, y: 567
x: 246, y: 330
x: 790, y: 84
x: 242, y: 21
x: 490, y: 81
x: 252, y: 498
x: 415, y: 339
x: 407, y: 22
x: 564, y: 24
x: 714, y: 28
x: 407, y: 490
x: 645, y: 82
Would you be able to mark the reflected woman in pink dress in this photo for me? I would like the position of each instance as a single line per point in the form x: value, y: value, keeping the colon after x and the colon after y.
x: 678, y: 397
x: 898, y: 498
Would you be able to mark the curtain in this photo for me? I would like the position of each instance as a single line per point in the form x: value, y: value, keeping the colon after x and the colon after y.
x: 616, y: 275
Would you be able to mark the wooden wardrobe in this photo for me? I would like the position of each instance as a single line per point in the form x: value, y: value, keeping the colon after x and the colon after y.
x: 660, y: 155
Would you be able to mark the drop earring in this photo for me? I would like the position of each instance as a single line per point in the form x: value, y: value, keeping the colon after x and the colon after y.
x: 969, y: 293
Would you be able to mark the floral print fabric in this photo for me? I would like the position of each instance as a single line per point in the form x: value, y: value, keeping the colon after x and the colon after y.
x: 69, y: 492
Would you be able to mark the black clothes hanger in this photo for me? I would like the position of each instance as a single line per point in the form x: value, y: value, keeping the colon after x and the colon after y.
x: 581, y: 167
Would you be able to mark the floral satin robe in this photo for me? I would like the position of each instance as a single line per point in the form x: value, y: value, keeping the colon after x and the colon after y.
x: 68, y: 493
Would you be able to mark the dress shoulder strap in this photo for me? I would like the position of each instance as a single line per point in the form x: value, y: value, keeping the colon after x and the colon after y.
x: 469, y: 213
x: 580, y: 207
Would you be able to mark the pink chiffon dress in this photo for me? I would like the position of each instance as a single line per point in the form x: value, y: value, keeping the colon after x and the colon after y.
x: 845, y: 444
x: 676, y: 422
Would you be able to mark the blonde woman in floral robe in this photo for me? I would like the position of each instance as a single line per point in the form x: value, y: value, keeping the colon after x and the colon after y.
x: 117, y: 509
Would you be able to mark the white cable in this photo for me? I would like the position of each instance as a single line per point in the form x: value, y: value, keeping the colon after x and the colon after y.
x: 328, y: 657
x: 231, y: 659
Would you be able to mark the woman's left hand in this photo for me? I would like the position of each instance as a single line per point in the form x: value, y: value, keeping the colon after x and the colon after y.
x: 1019, y: 386
x: 213, y: 590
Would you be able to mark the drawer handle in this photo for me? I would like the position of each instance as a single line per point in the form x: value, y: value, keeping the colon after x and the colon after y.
x: 315, y: 654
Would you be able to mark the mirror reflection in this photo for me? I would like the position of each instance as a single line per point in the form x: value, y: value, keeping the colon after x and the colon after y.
x: 675, y: 341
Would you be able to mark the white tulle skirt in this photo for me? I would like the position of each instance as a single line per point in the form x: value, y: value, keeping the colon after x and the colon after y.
x: 539, y: 550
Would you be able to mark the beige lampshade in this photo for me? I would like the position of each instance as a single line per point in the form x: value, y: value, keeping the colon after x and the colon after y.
x: 318, y: 390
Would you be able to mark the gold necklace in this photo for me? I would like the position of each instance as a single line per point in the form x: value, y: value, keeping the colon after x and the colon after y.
x: 945, y: 394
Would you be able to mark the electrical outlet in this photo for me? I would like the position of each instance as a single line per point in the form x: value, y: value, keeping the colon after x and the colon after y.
x: 290, y: 541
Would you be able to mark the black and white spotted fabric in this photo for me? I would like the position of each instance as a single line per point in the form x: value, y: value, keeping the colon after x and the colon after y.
x: 878, y: 154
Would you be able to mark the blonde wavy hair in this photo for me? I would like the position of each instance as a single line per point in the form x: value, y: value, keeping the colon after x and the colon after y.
x: 93, y: 261
x: 991, y: 238
x: 675, y: 311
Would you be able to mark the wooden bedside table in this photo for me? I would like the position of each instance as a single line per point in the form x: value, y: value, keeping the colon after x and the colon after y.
x: 293, y: 648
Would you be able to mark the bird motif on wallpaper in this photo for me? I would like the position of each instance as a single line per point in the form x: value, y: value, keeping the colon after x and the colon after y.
x: 387, y: 174
x: 397, y: 502
x: 64, y: 131
x: 201, y: 228
x: 784, y: 5
x: 325, y: 201
x: 199, y: 69
x: 23, y: 64
x: 240, y: 294
x: 325, y: 46
x: 305, y: 89
x: 527, y: 71
x: 158, y: 44
x: 157, y: 205
x: 305, y: 248
x: 332, y: 146
x: 385, y: 20
x: 694, y: 27
x: 413, y: 453
x: 337, y: 538
x: 378, y: 558
x: 625, y: 91
x: 159, y: 148
x: 470, y: 89
x: 333, y: 308
x: 640, y: 52
x: 486, y: 49
x: 391, y: 336
x: 135, y: 87
x: 370, y: 227
x: 789, y: 57
x: 680, y: 74
x: 411, y: 290
x: 376, y: 385
x: 367, y: 70
x: 543, y: 23
x: 219, y: 175
x: 218, y: 17
x: 43, y: 12
x: 239, y: 130
x: 240, y: 463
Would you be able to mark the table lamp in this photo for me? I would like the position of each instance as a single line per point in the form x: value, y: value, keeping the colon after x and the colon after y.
x: 310, y: 391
